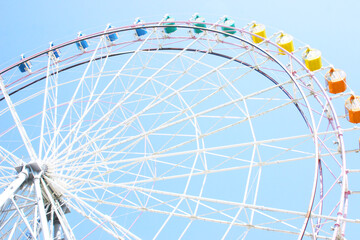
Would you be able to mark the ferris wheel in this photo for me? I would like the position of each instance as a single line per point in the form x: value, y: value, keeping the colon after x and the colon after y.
x: 175, y: 130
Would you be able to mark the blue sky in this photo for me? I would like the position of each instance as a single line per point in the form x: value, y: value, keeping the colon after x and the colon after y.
x: 330, y: 26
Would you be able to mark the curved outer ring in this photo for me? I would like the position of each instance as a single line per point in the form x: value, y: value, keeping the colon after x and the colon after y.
x: 190, y: 25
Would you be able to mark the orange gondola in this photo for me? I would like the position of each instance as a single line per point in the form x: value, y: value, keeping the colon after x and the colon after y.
x: 352, y: 109
x: 335, y: 81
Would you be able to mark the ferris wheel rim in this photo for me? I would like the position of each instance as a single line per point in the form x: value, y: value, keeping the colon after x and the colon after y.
x: 132, y: 28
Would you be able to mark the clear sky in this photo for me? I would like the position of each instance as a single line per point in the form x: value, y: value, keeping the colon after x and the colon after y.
x: 330, y: 26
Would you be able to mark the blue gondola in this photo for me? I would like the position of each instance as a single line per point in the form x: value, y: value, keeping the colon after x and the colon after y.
x: 25, y: 66
x: 55, y: 52
x: 112, y: 36
x: 140, y: 31
x: 83, y: 44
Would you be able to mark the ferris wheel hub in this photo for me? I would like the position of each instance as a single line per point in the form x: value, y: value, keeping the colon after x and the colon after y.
x: 33, y: 167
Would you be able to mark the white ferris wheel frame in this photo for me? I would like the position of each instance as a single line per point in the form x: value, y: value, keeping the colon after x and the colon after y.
x: 34, y: 166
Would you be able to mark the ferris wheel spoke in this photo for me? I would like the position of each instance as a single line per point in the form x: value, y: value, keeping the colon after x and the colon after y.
x: 42, y: 213
x: 90, y: 161
x: 102, y: 218
x: 257, y: 187
x: 158, y: 96
x: 59, y: 212
x: 163, y: 176
x: 101, y: 184
x: 191, y: 117
x: 11, y: 233
x: 205, y: 75
x: 148, y: 79
x: 264, y: 142
x: 19, y: 125
x: 76, y: 91
x: 177, y: 212
x: 235, y: 204
x: 98, y: 222
x: 77, y: 167
x: 199, y: 171
x: 24, y: 219
x: 8, y: 217
x: 9, y: 158
x: 92, y: 126
x: 50, y: 74
x: 181, y: 200
x: 87, y: 109
x: 214, y: 131
x: 246, y: 190
x: 180, y: 213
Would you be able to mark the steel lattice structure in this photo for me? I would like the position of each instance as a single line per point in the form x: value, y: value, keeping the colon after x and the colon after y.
x: 195, y: 133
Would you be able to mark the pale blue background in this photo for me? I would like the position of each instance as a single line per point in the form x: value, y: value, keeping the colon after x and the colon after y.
x: 331, y: 26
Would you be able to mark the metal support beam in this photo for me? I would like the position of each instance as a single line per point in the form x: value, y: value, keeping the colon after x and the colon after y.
x: 40, y: 202
x: 18, y: 122
x: 13, y: 187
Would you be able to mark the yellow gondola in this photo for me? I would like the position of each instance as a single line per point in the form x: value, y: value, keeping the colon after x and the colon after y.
x: 285, y: 41
x: 258, y: 29
x: 312, y: 59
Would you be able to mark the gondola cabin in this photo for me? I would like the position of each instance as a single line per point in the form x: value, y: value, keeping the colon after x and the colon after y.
x: 83, y: 44
x: 140, y: 31
x: 112, y: 37
x: 55, y: 54
x: 169, y: 21
x: 312, y: 59
x: 352, y: 109
x: 259, y: 30
x: 285, y: 41
x: 335, y: 81
x: 200, y: 22
x: 25, y: 66
x: 229, y: 25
